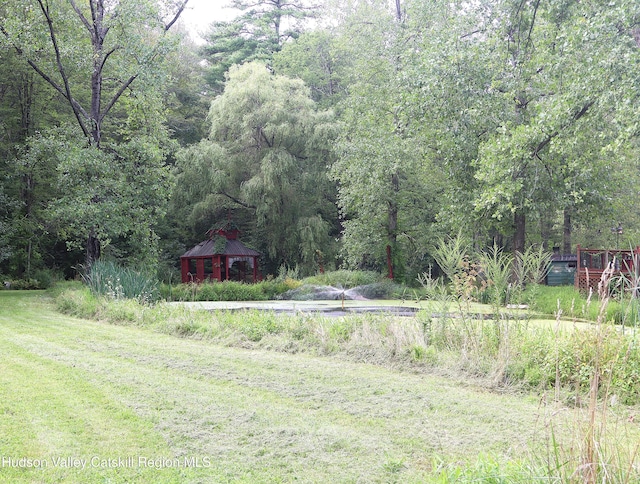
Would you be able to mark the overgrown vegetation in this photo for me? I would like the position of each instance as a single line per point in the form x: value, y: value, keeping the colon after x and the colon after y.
x: 262, y: 417
x: 575, y: 305
x: 505, y: 350
x: 585, y: 365
x: 582, y: 358
x: 106, y: 278
x: 40, y: 279
x: 286, y: 286
x: 223, y: 291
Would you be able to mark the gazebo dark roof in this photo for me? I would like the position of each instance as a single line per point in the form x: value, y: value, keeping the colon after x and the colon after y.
x: 212, y: 246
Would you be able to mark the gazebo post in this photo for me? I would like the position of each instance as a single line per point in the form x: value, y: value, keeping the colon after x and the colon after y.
x: 184, y: 266
x: 255, y: 269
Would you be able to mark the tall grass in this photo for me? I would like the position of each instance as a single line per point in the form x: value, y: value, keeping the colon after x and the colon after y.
x: 503, y: 350
x: 226, y: 291
x: 374, y: 286
x: 576, y: 305
x: 344, y: 278
x: 493, y: 275
x: 593, y: 366
x: 609, y: 369
x: 106, y: 278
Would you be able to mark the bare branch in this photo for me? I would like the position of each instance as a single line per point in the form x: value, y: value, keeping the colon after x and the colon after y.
x: 117, y: 95
x: 239, y: 202
x: 79, y: 13
x: 75, y: 106
x: 106, y: 56
x: 176, y: 16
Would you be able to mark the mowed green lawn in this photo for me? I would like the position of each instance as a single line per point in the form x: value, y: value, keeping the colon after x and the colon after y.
x: 83, y: 401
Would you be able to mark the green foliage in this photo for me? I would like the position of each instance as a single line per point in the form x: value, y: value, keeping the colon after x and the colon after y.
x: 448, y: 117
x: 316, y: 59
x: 23, y: 284
x: 493, y: 276
x: 486, y: 469
x: 116, y: 195
x: 371, y: 285
x: 266, y: 160
x: 573, y: 304
x: 498, y: 267
x: 224, y: 291
x: 424, y: 354
x: 555, y: 124
x: 30, y: 183
x: 80, y: 302
x: 108, y: 279
x: 105, y: 181
x: 257, y: 33
x: 569, y: 357
x: 386, y: 182
x: 452, y: 255
x: 42, y: 279
x: 256, y: 326
x: 91, y: 56
x: 344, y: 278
x: 508, y: 351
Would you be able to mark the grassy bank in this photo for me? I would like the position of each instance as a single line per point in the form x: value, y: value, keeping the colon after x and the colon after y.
x: 77, y: 389
x: 314, y: 410
x: 506, y: 350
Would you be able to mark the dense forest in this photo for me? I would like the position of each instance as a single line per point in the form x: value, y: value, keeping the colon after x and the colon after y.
x: 330, y: 134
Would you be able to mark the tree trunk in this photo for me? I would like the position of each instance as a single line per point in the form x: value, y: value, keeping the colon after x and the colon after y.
x: 519, y: 234
x: 25, y: 93
x: 566, y: 232
x: 392, y: 221
x: 93, y: 250
x: 545, y: 231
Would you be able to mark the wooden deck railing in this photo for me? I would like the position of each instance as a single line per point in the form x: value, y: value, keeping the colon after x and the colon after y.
x: 593, y: 262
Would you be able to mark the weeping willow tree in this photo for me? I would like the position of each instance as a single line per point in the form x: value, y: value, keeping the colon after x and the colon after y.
x: 265, y: 161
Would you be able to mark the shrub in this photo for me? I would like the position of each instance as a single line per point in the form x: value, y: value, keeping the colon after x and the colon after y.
x: 46, y: 277
x: 371, y: 285
x: 23, y: 284
x: 273, y: 288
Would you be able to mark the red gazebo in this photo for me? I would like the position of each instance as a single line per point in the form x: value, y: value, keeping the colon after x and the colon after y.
x: 221, y: 257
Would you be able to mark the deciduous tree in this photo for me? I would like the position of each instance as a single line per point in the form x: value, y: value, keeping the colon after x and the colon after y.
x: 96, y: 55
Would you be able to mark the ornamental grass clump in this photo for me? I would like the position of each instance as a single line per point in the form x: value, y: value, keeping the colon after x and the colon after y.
x: 106, y: 278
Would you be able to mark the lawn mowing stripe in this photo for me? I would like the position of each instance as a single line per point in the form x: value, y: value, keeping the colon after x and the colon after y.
x: 264, y: 416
